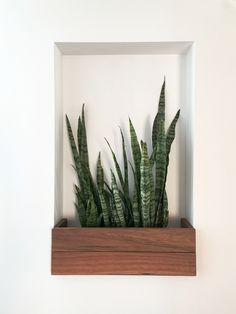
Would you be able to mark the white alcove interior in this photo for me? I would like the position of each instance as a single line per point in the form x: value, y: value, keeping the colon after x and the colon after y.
x: 117, y: 81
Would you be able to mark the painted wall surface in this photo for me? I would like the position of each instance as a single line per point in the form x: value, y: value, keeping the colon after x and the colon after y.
x: 28, y: 30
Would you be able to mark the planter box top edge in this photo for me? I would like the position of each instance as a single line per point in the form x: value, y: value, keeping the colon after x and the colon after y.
x: 184, y: 223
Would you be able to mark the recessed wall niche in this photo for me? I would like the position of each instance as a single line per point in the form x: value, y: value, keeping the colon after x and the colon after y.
x: 116, y: 81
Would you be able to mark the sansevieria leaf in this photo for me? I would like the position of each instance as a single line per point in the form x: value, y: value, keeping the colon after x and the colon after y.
x: 161, y: 161
x: 115, y: 221
x: 159, y: 147
x: 170, y: 135
x: 117, y: 166
x: 136, y: 151
x: 165, y: 210
x: 162, y: 213
x: 159, y: 118
x: 77, y: 161
x: 100, y: 184
x: 145, y: 186
x: 136, y: 205
x: 117, y: 200
x: 126, y: 172
x: 92, y: 214
x: 72, y: 142
x: 84, y: 146
x: 80, y: 207
x: 79, y: 134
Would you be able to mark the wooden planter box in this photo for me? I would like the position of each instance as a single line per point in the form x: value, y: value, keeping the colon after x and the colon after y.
x: 123, y: 251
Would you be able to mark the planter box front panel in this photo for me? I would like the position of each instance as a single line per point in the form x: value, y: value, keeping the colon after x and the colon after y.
x: 124, y: 251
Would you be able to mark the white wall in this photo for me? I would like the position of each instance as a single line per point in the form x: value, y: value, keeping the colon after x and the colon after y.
x: 28, y: 32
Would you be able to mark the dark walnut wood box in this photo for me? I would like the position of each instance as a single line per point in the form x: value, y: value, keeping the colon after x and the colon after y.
x: 124, y: 251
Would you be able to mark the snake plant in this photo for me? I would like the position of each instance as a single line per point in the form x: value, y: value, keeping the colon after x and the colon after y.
x: 115, y: 205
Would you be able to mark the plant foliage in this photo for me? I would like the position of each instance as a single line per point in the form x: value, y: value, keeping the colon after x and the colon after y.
x: 115, y: 205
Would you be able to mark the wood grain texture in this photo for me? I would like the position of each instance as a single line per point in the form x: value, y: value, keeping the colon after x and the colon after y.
x: 123, y: 263
x: 124, y: 239
x: 127, y: 251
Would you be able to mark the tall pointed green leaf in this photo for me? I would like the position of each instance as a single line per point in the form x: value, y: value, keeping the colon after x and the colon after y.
x: 84, y: 146
x: 135, y: 208
x: 136, y: 151
x: 117, y: 200
x: 80, y: 207
x: 159, y: 118
x: 115, y: 221
x: 152, y: 197
x: 165, y: 210
x: 100, y: 184
x: 72, y: 142
x: 160, y: 165
x: 122, y: 182
x: 170, y: 135
x: 94, y: 192
x: 159, y: 147
x: 162, y: 213
x: 77, y: 162
x: 92, y: 214
x: 136, y: 205
x: 126, y: 172
x: 127, y: 200
x: 117, y: 166
x: 79, y: 134
x: 145, y: 186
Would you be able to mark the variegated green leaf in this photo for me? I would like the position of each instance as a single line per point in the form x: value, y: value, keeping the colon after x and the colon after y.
x: 126, y: 172
x: 170, y: 135
x: 159, y: 147
x: 115, y: 221
x: 160, y: 165
x: 117, y: 200
x: 159, y: 118
x: 136, y: 205
x: 100, y: 184
x: 72, y: 142
x: 152, y: 198
x: 162, y: 213
x: 77, y: 162
x: 136, y: 151
x: 145, y: 186
x: 84, y: 146
x: 165, y: 210
x: 127, y: 200
x: 79, y: 134
x: 117, y: 166
x: 80, y: 207
x: 92, y: 214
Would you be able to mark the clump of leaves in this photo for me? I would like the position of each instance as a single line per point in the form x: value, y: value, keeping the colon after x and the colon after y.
x: 100, y: 204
